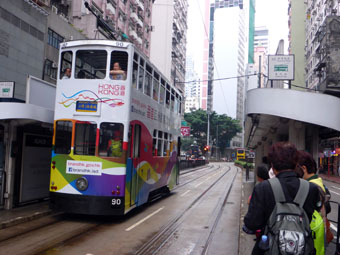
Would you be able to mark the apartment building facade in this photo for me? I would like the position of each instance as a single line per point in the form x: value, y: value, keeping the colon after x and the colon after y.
x: 169, y: 38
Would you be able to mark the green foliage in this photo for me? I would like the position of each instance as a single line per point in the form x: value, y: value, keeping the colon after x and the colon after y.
x: 222, y: 128
x: 186, y: 142
x: 244, y: 164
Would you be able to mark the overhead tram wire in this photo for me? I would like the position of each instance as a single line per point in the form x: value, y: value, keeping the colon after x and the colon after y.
x: 220, y: 79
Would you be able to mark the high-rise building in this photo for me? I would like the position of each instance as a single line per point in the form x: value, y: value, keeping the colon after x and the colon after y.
x: 318, y: 52
x: 261, y: 38
x: 192, y: 86
x: 297, y: 39
x: 168, y: 39
x: 127, y: 18
x: 230, y: 43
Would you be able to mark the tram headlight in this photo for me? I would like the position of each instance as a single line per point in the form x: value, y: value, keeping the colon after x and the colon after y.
x: 82, y: 184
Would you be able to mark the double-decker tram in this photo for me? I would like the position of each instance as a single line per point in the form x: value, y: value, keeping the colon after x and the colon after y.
x: 240, y: 154
x: 116, y: 129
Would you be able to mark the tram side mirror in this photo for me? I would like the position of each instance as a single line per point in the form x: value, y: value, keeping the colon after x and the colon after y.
x: 14, y: 149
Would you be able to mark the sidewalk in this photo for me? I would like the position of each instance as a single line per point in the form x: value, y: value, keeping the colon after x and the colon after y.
x: 246, y: 242
x: 23, y: 214
x: 330, y: 178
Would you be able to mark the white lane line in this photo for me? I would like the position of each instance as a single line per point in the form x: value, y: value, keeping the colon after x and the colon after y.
x: 185, y: 193
x: 335, y: 187
x: 334, y: 192
x: 334, y: 228
x: 142, y: 220
x: 198, y: 184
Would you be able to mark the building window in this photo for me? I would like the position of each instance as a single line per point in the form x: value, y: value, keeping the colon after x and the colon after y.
x: 50, y: 70
x: 54, y: 39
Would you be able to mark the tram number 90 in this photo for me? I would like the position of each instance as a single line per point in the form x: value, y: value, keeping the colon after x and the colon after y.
x: 119, y: 44
x: 116, y: 201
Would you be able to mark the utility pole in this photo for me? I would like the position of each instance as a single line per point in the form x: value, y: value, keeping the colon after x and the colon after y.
x: 217, y: 142
x: 208, y: 130
x: 259, y: 74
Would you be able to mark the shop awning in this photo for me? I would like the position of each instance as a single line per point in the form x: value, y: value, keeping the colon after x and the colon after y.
x: 25, y: 111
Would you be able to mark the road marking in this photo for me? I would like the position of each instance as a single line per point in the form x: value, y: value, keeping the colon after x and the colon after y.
x: 142, y: 220
x: 334, y: 192
x: 185, y: 193
x: 334, y: 228
x: 335, y: 187
x: 198, y: 184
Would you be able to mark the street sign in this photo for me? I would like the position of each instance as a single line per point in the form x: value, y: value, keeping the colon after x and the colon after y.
x: 6, y: 89
x: 281, y: 67
x: 185, y: 131
x: 251, y: 154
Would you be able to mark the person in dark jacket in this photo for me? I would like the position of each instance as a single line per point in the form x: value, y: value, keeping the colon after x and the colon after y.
x: 283, y: 157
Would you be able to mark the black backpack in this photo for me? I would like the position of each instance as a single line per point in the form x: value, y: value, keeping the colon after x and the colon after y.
x: 288, y: 227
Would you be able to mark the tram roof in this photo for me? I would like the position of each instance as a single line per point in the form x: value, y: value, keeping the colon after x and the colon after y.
x: 95, y: 42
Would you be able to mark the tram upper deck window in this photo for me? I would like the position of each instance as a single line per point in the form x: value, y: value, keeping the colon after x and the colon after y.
x: 135, y: 71
x: 172, y: 100
x: 155, y: 86
x: 90, y: 64
x: 118, y: 65
x: 66, y: 65
x: 167, y: 97
x: 148, y: 80
x: 111, y: 139
x: 85, y: 138
x: 162, y: 92
x: 63, y: 137
x: 141, y: 74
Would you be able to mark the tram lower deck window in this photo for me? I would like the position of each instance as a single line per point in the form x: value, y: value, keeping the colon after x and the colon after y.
x: 111, y: 139
x: 85, y: 139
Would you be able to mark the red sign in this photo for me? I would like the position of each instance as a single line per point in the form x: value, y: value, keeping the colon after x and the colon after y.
x: 185, y: 131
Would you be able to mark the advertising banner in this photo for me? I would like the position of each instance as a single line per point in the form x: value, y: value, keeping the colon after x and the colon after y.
x: 185, y: 131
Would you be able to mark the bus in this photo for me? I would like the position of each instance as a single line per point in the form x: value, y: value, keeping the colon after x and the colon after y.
x: 116, y: 129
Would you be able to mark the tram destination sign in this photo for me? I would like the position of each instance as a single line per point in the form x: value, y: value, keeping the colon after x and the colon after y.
x: 87, y: 106
x: 7, y: 89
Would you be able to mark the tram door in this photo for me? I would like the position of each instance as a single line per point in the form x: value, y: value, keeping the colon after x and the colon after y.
x: 2, y: 164
x: 135, y: 149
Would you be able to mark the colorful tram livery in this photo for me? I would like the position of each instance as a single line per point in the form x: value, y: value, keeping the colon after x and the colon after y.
x: 116, y: 129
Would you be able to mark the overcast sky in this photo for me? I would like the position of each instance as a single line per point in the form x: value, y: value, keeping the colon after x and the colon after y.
x: 270, y: 13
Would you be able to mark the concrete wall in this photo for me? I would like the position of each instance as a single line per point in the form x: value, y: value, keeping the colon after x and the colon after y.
x: 22, y: 34
x: 297, y: 41
x: 161, y: 37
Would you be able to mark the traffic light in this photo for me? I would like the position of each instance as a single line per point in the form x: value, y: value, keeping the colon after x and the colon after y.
x: 206, y: 148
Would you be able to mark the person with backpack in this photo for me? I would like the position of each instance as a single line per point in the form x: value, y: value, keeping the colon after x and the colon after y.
x: 320, y: 226
x: 283, y: 206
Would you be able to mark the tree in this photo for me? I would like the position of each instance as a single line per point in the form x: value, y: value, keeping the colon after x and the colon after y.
x: 226, y: 126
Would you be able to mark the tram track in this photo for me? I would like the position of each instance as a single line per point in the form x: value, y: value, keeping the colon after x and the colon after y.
x: 198, y: 177
x: 155, y: 244
x: 42, y: 234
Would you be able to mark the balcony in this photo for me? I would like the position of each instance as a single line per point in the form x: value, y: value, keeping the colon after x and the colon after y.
x: 134, y: 36
x: 140, y: 4
x: 136, y: 19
